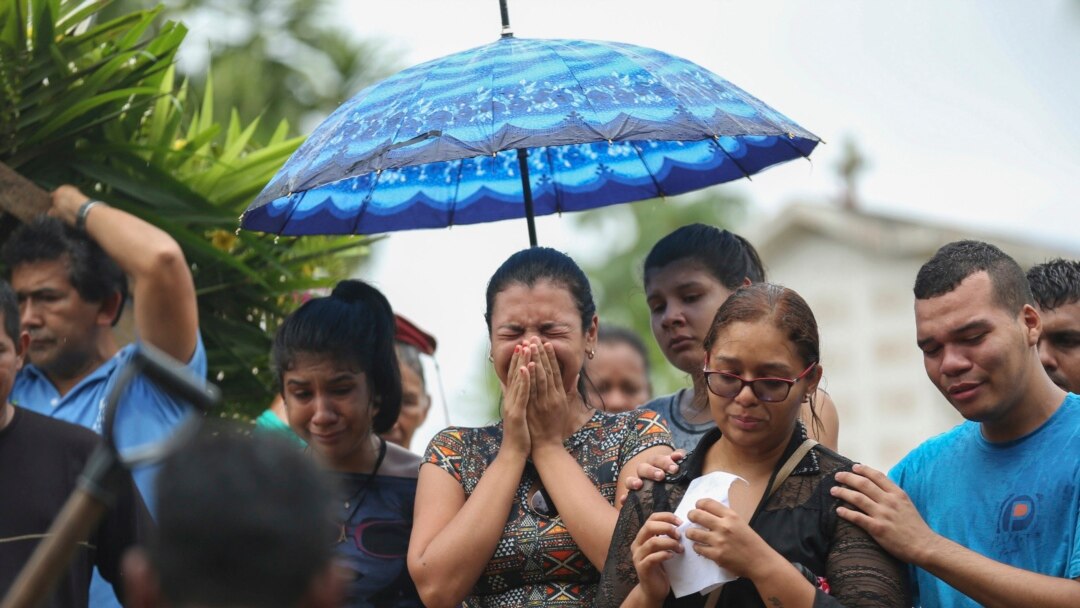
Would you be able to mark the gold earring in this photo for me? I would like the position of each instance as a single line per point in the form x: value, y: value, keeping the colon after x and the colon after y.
x: 592, y: 353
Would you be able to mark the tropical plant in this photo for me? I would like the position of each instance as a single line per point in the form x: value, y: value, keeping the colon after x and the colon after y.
x: 306, y: 63
x: 95, y: 104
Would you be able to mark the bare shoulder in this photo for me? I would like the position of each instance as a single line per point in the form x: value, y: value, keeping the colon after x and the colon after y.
x: 399, y: 462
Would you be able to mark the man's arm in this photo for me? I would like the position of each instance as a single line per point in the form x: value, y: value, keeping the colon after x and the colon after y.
x: 166, y: 314
x: 889, y: 516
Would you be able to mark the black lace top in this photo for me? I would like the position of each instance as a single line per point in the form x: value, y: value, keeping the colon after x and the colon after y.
x: 799, y: 521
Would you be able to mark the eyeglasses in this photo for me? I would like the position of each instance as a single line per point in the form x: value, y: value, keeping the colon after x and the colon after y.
x: 769, y: 390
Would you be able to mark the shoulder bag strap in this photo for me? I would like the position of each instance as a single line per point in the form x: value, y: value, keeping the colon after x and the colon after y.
x: 789, y: 466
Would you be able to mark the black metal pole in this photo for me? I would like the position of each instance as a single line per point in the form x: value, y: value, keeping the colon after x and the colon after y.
x: 526, y: 190
x: 506, y: 31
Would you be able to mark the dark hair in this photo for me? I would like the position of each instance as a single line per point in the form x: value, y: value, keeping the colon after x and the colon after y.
x: 787, y: 311
x: 353, y: 325
x: 9, y: 307
x: 93, y: 274
x: 241, y: 521
x: 725, y: 255
x: 958, y: 260
x: 615, y: 334
x: 530, y: 266
x: 1055, y: 283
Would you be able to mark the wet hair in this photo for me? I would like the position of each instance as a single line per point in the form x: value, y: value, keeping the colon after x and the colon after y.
x: 730, y: 258
x: 242, y: 520
x: 958, y: 260
x: 93, y: 274
x: 9, y: 308
x: 1055, y: 283
x: 531, y: 266
x: 354, y: 325
x: 615, y: 334
x: 784, y: 308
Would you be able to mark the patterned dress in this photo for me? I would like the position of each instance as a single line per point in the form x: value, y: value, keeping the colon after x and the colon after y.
x: 537, y: 563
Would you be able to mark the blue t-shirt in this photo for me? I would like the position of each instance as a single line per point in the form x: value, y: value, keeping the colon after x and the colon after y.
x: 146, y: 415
x: 1016, y: 502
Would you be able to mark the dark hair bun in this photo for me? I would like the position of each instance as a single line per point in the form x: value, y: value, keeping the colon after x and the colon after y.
x: 351, y: 290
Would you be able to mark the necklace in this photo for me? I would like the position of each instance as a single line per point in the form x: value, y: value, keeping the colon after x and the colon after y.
x: 342, y: 536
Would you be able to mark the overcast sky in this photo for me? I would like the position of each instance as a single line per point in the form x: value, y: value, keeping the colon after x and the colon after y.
x: 967, y: 111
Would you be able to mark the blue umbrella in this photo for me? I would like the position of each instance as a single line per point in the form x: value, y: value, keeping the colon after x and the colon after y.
x: 517, y: 128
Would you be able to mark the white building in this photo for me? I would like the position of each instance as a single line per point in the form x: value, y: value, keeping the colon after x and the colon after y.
x: 856, y: 270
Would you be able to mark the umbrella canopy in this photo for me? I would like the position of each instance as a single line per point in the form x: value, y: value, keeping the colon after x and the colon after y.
x: 587, y: 124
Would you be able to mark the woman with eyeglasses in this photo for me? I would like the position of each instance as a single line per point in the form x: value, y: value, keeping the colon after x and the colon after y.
x: 780, y: 535
x: 520, y: 513
x: 338, y: 374
x: 688, y: 275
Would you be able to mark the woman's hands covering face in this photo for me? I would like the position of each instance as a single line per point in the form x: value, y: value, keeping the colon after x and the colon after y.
x: 535, y: 400
x: 515, y: 402
x: 547, y: 396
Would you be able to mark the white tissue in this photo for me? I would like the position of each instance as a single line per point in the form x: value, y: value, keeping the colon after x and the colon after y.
x: 688, y: 571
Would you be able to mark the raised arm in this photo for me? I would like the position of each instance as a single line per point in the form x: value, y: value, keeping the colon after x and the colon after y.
x: 890, y: 517
x: 166, y: 314
x: 453, y: 538
x: 588, y: 516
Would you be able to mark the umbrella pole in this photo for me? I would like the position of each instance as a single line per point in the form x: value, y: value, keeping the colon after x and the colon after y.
x: 526, y: 189
x: 506, y: 31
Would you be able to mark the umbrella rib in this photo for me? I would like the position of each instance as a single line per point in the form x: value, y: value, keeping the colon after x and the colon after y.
x: 491, y: 134
x: 600, y: 136
x: 704, y: 126
x: 648, y: 171
x: 787, y: 141
x: 745, y: 173
x: 292, y: 209
x: 554, y: 183
x: 364, y: 204
x: 405, y: 116
x: 457, y: 192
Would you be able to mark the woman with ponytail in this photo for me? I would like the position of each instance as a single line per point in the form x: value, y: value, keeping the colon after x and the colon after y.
x: 338, y: 374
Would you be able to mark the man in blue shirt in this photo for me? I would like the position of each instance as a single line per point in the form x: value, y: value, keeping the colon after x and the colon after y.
x: 989, y: 512
x: 68, y: 271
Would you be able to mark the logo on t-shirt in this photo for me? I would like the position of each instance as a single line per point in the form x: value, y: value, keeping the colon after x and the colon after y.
x: 1017, y: 513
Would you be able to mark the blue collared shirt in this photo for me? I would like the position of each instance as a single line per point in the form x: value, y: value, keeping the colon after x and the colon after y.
x: 146, y: 415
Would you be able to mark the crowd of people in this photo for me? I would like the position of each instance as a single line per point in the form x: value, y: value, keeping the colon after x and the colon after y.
x: 570, y: 499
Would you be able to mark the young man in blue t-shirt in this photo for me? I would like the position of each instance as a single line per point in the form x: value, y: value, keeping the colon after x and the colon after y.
x: 989, y: 512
